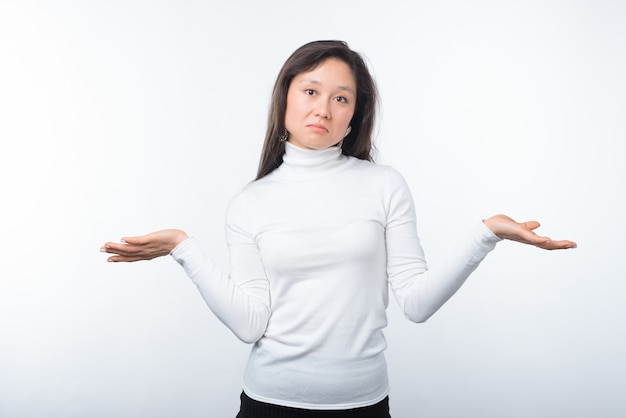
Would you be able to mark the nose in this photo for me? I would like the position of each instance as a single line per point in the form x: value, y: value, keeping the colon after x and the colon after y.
x: 322, y: 109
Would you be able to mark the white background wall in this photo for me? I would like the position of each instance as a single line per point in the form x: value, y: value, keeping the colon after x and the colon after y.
x: 122, y: 117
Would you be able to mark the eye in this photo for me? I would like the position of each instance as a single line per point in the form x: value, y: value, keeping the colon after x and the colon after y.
x: 341, y: 99
x: 309, y: 92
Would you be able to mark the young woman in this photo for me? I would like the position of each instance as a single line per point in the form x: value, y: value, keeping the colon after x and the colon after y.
x: 315, y: 242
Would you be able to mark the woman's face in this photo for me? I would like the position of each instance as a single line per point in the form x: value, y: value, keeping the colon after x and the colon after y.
x: 320, y: 105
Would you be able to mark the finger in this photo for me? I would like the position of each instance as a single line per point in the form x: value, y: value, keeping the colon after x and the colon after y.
x: 558, y: 245
x: 128, y: 258
x: 135, y: 240
x: 526, y: 236
x: 109, y: 247
x: 531, y: 225
x: 116, y: 259
x: 115, y: 248
x: 536, y: 239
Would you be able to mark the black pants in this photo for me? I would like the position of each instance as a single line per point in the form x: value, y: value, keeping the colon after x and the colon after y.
x: 255, y: 409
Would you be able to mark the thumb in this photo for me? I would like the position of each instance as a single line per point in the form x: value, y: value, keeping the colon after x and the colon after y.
x: 531, y: 225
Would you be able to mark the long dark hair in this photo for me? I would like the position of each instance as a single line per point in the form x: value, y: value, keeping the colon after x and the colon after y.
x: 359, y: 142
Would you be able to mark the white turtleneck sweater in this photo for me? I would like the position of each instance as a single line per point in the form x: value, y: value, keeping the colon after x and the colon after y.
x: 314, y: 247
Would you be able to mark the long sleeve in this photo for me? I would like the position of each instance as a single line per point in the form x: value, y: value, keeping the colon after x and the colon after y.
x: 420, y: 291
x: 240, y: 300
x: 314, y: 247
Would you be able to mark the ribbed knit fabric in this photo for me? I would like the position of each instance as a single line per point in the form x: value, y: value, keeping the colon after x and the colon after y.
x: 315, y: 246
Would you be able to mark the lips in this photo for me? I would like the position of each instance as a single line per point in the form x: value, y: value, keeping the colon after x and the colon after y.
x: 317, y: 127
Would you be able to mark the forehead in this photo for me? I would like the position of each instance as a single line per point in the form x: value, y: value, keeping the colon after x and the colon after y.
x: 331, y: 72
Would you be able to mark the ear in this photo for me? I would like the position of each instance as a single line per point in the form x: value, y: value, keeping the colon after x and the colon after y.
x: 348, y: 131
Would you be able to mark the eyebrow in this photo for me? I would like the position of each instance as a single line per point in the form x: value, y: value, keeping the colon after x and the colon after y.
x: 314, y: 81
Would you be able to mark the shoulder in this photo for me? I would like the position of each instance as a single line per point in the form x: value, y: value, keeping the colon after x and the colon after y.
x: 239, y: 201
x: 385, y: 174
x: 251, y: 193
x: 244, y: 193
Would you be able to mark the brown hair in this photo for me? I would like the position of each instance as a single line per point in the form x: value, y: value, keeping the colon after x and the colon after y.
x: 359, y: 142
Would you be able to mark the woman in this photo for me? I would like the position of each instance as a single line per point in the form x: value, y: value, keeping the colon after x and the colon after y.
x: 315, y: 242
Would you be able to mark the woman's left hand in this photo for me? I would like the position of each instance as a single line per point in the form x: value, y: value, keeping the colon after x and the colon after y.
x: 506, y: 228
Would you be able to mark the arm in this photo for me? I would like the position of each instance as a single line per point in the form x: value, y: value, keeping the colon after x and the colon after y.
x: 240, y: 300
x: 420, y: 292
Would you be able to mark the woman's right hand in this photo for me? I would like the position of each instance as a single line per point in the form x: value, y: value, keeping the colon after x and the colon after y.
x: 145, y: 247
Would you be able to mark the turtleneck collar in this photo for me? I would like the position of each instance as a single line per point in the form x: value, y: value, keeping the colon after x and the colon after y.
x: 305, y: 164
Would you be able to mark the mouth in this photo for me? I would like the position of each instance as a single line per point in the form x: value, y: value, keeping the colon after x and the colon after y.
x: 317, y: 127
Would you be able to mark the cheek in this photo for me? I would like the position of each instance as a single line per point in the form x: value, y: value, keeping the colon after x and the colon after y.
x: 294, y: 107
x: 347, y: 117
x: 290, y: 109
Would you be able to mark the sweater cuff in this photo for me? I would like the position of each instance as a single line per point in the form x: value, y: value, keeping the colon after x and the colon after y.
x: 486, y: 235
x: 190, y: 256
x: 482, y: 242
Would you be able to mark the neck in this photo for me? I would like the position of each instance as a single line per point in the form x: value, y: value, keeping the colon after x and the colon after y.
x: 302, y: 163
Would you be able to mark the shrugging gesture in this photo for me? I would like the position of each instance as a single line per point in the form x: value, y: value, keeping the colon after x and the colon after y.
x: 160, y: 243
x: 316, y: 242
